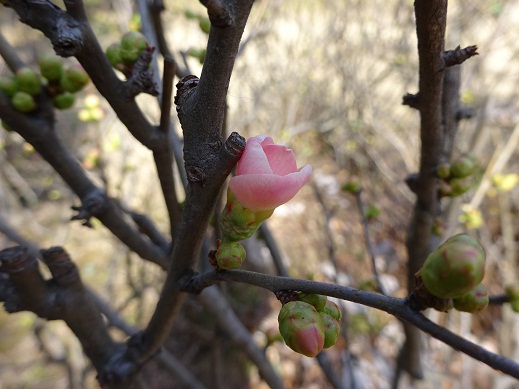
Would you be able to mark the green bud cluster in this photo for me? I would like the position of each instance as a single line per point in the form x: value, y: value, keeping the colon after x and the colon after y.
x: 310, y: 324
x: 457, y: 177
x: 122, y: 55
x: 60, y: 84
x: 453, y: 274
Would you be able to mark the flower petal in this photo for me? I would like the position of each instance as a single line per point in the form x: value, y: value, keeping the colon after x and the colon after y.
x: 253, y: 160
x: 259, y: 192
x: 281, y: 160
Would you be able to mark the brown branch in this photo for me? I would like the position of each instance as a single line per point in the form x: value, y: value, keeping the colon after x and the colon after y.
x: 61, y: 298
x: 218, y: 13
x: 431, y: 18
x: 8, y: 53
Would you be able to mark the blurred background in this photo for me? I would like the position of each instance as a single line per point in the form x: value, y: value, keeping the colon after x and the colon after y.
x: 325, y: 78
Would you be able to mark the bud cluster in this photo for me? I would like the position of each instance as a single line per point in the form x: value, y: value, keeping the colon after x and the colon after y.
x: 310, y: 323
x: 60, y: 84
x: 458, y: 176
x: 453, y: 274
x: 122, y: 55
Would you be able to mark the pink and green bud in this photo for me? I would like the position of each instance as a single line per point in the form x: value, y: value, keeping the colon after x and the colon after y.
x: 317, y: 300
x: 239, y: 223
x: 230, y: 255
x: 23, y: 102
x: 74, y: 79
x: 132, y: 45
x: 51, y: 67
x: 302, y: 328
x: 455, y: 268
x: 64, y: 100
x: 8, y: 85
x: 332, y: 310
x: 28, y: 81
x: 474, y: 301
x: 332, y: 330
x: 464, y: 166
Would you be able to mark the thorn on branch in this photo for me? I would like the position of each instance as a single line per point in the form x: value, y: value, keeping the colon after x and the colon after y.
x: 218, y: 14
x: 459, y: 55
x: 411, y: 100
x: 140, y: 77
x: 92, y: 206
x: 465, y: 113
x: 412, y: 182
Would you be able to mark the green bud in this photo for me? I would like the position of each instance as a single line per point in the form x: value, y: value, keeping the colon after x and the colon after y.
x: 512, y: 291
x: 205, y: 25
x: 464, y: 166
x: 317, y: 300
x: 190, y: 14
x: 332, y: 310
x: 332, y: 330
x: 8, y: 85
x: 352, y: 187
x: 444, y: 189
x: 239, y: 223
x: 460, y: 186
x: 51, y: 67
x: 28, y: 81
x: 64, y: 100
x: 443, y: 170
x: 230, y: 255
x: 474, y: 301
x: 455, y: 268
x: 23, y: 102
x: 302, y: 328
x: 132, y: 45
x: 74, y: 79
x: 515, y: 305
x: 113, y: 54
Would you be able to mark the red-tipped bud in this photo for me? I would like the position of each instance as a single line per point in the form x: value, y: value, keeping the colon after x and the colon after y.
x: 456, y: 267
x: 474, y: 301
x: 317, y: 300
x: 230, y: 255
x: 302, y: 328
x: 332, y: 330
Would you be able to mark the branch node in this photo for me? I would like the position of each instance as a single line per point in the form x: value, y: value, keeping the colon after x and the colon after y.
x: 185, y: 87
x: 63, y: 270
x: 93, y: 204
x: 411, y: 100
x: 218, y: 14
x: 140, y: 77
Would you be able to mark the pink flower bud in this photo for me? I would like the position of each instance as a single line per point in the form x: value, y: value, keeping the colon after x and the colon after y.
x: 267, y: 175
x: 302, y: 328
x: 455, y: 268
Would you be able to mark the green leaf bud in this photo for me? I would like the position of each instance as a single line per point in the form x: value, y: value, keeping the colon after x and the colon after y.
x: 23, y: 102
x: 74, y: 79
x: 464, y: 166
x: 205, y: 25
x: 64, y: 100
x: 51, y: 67
x: 332, y: 330
x: 455, y: 268
x: 474, y: 301
x: 317, y: 300
x: 132, y: 45
x: 28, y: 81
x: 8, y: 85
x: 230, y: 255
